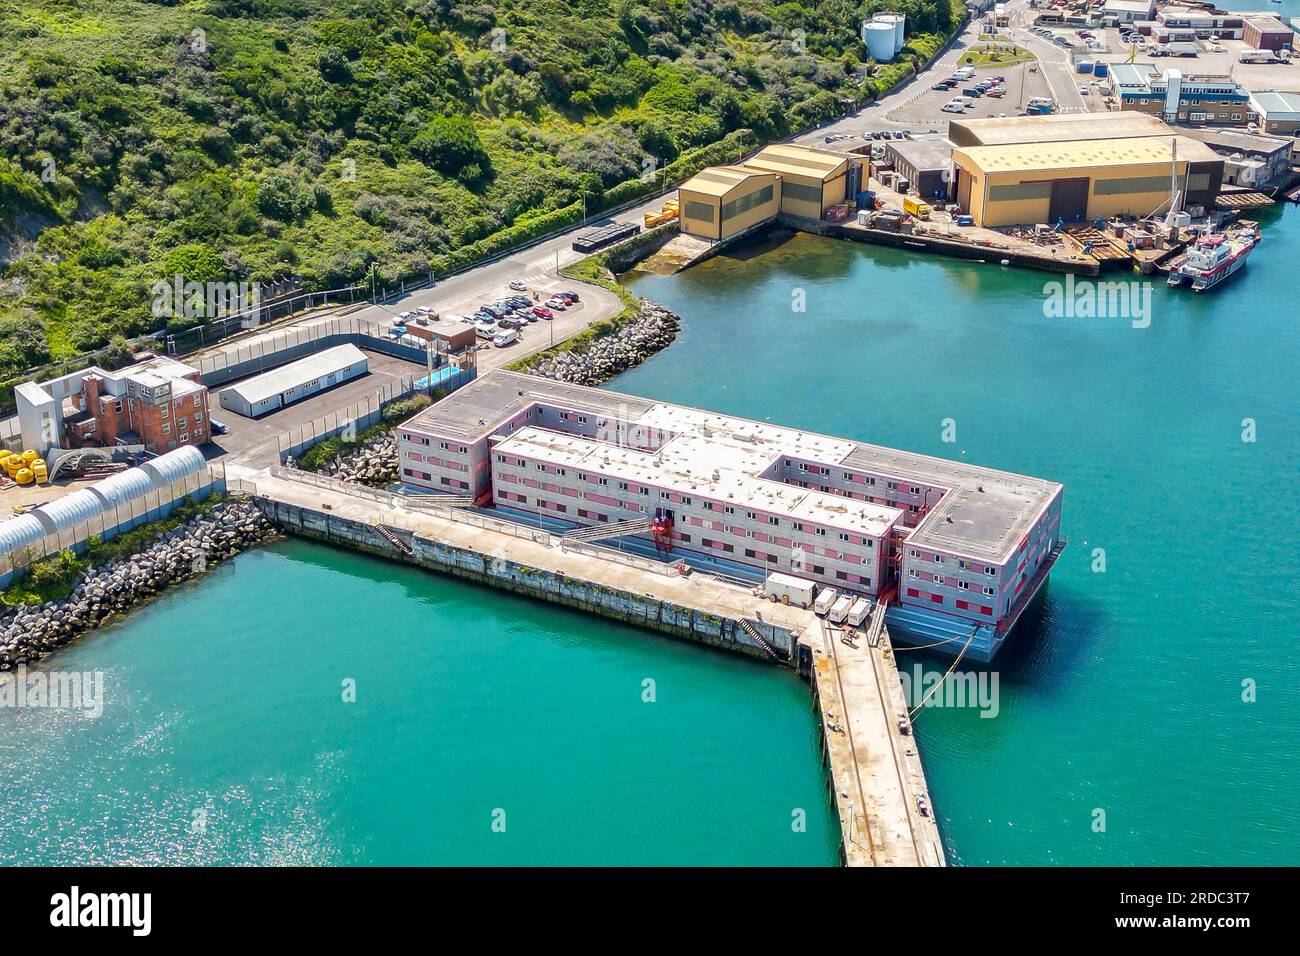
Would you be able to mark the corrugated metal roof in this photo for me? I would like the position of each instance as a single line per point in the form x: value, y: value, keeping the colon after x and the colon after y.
x: 279, y: 380
x: 1080, y: 154
x: 18, y: 533
x: 789, y: 159
x: 174, y: 465
x: 122, y: 487
x: 1060, y: 127
x: 719, y: 180
x: 1277, y: 106
x: 69, y: 510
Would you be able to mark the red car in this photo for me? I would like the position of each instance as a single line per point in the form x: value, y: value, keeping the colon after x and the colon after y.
x: 542, y: 312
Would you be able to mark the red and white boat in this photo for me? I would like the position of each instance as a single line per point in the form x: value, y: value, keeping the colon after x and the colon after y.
x: 1212, y: 259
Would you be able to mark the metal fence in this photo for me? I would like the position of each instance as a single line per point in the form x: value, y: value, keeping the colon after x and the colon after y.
x: 353, y: 420
x: 270, y: 348
x: 113, y: 521
x: 408, y: 521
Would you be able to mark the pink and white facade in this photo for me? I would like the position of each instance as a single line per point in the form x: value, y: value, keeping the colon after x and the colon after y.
x: 937, y: 537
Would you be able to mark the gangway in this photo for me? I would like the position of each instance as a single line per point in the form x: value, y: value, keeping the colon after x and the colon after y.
x: 438, y: 501
x: 614, y: 529
x: 759, y: 639
x: 394, y: 540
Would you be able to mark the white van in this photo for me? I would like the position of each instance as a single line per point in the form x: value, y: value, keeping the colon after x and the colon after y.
x: 825, y: 599
x: 1041, y: 101
x: 508, y: 337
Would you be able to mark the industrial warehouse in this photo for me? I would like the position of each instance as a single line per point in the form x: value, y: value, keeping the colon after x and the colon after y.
x: 952, y: 545
x: 283, y: 386
x: 724, y: 201
x: 1078, y: 181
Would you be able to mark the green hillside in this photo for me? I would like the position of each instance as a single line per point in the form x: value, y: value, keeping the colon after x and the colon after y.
x: 235, y: 139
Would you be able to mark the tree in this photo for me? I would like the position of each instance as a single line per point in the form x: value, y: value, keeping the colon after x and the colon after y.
x: 450, y: 144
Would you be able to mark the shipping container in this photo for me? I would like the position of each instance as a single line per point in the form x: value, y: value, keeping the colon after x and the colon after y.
x: 788, y: 589
x: 860, y: 611
x: 604, y: 236
x: 840, y: 609
x: 825, y: 600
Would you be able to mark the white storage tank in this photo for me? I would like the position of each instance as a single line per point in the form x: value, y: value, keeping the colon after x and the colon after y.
x: 83, y: 505
x: 18, y: 533
x: 120, y: 488
x: 879, y: 38
x: 174, y: 465
x: 896, y: 22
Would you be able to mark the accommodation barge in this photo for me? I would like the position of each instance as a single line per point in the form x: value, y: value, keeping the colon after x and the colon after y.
x: 953, y: 551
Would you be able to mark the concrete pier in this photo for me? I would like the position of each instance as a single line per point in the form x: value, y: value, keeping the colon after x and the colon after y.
x: 876, y: 780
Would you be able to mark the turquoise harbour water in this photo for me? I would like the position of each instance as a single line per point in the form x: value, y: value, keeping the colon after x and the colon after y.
x: 1122, y: 691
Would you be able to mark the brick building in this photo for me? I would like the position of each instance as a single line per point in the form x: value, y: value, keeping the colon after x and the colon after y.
x: 159, y: 403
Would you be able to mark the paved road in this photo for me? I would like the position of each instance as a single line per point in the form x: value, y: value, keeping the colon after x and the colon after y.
x: 1055, y: 62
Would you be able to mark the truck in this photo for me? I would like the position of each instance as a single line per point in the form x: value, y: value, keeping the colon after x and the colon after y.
x: 1180, y: 49
x: 1256, y: 56
x: 916, y: 207
x: 787, y: 589
x: 825, y: 601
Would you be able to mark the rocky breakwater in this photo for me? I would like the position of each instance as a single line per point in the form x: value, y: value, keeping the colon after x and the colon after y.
x: 373, y: 462
x: 29, y: 633
x: 651, y: 329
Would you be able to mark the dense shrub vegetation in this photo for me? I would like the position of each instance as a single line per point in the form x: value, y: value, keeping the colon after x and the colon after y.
x: 244, y: 139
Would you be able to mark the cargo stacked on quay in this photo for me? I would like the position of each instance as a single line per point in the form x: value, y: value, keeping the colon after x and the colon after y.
x: 652, y: 329
x: 29, y: 633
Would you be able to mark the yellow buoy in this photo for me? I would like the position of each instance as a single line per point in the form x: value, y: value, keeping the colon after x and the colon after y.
x: 24, y: 476
x: 29, y: 456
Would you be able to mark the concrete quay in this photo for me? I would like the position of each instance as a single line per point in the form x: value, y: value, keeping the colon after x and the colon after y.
x: 876, y: 780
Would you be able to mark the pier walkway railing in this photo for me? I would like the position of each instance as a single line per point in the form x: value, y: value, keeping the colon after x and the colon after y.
x: 408, y: 520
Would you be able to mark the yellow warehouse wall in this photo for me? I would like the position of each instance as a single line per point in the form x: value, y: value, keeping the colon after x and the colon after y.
x: 1029, y: 211
x: 751, y: 217
x: 698, y: 227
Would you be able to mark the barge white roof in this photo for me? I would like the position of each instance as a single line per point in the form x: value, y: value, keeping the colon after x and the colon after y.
x: 984, y: 513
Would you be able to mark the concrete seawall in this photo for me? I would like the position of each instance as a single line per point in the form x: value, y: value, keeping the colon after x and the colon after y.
x: 641, y: 610
x: 875, y: 779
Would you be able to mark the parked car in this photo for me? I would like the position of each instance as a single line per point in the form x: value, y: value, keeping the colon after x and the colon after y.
x: 571, y: 295
x: 542, y: 312
x: 556, y: 303
x: 518, y: 285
